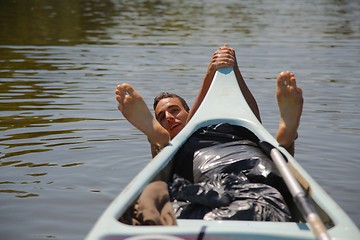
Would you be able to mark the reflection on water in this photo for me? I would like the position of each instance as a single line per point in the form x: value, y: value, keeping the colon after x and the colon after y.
x: 64, y: 148
x: 46, y: 23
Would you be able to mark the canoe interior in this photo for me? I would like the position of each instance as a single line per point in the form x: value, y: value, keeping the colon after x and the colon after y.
x: 295, y: 212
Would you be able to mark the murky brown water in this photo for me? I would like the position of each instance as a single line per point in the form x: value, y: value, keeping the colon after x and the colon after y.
x: 65, y: 151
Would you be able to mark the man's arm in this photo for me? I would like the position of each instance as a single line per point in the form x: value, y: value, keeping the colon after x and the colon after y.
x: 224, y: 57
x: 247, y: 94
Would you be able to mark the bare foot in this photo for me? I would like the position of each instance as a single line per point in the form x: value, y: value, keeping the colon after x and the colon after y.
x: 134, y: 109
x: 290, y: 101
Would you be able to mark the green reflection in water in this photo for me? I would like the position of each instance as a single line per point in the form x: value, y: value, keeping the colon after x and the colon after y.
x: 21, y: 144
x: 19, y: 153
x: 8, y: 163
x: 72, y: 164
x: 14, y: 60
x: 27, y: 135
x: 11, y: 122
x: 20, y: 194
x: 33, y: 165
x: 42, y: 22
x: 7, y: 182
x: 36, y: 174
x: 28, y: 195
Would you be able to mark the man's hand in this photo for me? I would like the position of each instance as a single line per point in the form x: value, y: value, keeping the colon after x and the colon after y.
x: 223, y: 57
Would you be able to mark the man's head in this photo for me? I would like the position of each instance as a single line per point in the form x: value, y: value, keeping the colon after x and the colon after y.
x: 171, y: 111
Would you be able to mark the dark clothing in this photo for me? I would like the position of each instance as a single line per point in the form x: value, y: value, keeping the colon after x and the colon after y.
x: 219, y: 174
x: 224, y: 175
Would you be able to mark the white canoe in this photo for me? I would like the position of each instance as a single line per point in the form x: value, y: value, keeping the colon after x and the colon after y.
x: 215, y: 109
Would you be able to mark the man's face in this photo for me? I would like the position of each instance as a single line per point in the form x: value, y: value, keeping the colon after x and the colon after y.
x: 171, y: 115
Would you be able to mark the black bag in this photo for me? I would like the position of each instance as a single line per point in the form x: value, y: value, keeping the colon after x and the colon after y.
x: 220, y: 173
x: 227, y: 197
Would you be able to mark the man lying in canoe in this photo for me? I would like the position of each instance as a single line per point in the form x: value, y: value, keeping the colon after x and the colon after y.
x: 160, y: 130
x: 172, y: 112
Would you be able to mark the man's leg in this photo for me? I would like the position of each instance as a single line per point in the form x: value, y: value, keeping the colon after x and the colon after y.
x: 135, y: 110
x: 290, y: 101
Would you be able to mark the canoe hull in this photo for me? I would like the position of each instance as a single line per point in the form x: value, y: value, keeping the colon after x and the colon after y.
x: 215, y: 109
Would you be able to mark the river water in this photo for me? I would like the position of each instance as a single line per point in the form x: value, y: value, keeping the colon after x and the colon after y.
x: 65, y: 150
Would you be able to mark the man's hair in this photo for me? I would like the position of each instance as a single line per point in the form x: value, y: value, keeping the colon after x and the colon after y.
x: 170, y: 95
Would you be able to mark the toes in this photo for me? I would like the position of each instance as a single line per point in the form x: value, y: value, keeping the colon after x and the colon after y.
x: 281, y: 79
x: 121, y: 92
x: 299, y: 89
x: 126, y: 87
x: 118, y: 93
x: 292, y: 80
x: 286, y: 78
